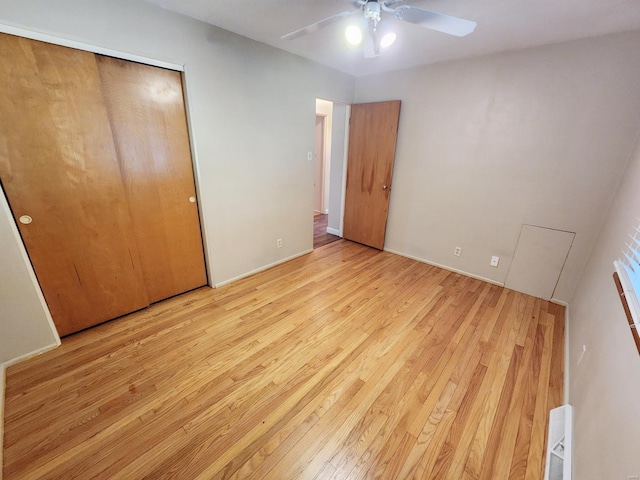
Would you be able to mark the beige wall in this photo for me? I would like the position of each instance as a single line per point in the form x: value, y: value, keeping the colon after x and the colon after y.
x: 24, y: 324
x: 605, y: 385
x: 253, y: 115
x: 538, y: 137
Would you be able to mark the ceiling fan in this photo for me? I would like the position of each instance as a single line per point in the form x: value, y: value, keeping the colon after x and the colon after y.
x: 380, y: 34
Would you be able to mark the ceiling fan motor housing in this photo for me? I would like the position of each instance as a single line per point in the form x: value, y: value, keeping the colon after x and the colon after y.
x: 372, y: 12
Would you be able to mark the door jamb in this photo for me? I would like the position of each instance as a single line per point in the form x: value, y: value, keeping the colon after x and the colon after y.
x: 345, y: 161
x: 323, y: 176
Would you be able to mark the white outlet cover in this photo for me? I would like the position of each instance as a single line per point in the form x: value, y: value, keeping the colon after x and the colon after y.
x: 494, y: 261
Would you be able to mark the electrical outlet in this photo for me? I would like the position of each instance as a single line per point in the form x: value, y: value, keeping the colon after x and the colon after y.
x: 458, y: 251
x: 494, y: 261
x: 279, y: 243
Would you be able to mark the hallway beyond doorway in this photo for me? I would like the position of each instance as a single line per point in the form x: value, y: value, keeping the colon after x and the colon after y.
x: 320, y: 235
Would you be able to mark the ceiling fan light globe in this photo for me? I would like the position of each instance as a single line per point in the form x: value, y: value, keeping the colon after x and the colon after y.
x: 388, y: 39
x: 353, y: 34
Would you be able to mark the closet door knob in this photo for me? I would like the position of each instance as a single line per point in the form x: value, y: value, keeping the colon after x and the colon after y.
x: 26, y: 219
x: 192, y: 199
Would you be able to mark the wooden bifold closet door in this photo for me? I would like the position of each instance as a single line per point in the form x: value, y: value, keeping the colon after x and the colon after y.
x: 149, y: 125
x: 96, y: 166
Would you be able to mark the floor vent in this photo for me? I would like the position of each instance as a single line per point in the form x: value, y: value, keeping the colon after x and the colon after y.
x: 559, y: 444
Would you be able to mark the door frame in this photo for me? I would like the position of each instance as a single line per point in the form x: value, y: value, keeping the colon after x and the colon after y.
x: 183, y: 69
x: 330, y: 152
x: 345, y: 165
x: 324, y: 108
x: 324, y: 208
x: 387, y: 181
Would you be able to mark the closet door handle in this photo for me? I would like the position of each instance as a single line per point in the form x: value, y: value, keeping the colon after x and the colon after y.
x: 192, y: 199
x: 26, y: 219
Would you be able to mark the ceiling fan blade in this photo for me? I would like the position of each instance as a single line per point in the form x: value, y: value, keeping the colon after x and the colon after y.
x: 435, y: 21
x: 314, y: 27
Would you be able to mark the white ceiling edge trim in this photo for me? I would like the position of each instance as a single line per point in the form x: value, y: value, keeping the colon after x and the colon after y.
x: 35, y: 34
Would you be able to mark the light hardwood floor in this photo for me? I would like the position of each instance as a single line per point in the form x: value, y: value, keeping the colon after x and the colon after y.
x: 345, y: 363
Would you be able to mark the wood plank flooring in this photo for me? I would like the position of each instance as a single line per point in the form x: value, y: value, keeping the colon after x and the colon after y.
x: 345, y: 363
x: 320, y: 235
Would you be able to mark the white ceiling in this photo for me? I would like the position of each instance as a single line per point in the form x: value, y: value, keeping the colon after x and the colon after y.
x: 502, y: 25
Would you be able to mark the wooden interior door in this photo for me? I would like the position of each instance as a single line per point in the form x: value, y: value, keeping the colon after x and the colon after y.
x: 149, y: 124
x: 373, y: 131
x: 59, y: 168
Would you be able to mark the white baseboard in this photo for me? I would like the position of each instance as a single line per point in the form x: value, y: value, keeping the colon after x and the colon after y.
x: 559, y: 302
x: 333, y: 231
x: 35, y: 353
x: 567, y: 362
x: 2, y: 389
x: 262, y: 269
x: 445, y: 267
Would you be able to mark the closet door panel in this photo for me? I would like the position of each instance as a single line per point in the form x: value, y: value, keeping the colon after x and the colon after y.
x: 58, y: 166
x: 149, y: 125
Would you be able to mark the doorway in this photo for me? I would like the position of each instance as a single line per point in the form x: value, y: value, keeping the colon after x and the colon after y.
x: 329, y: 170
x: 320, y: 200
x: 319, y: 166
x: 320, y: 235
